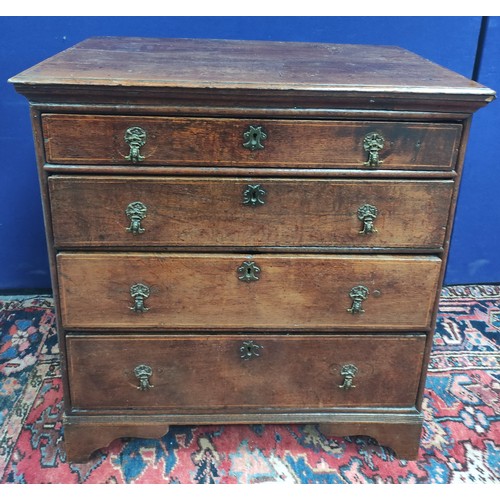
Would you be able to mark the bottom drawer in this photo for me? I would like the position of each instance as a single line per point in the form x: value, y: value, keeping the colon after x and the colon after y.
x: 186, y: 373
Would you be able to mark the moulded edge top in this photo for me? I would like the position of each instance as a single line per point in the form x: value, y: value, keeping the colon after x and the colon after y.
x: 125, y: 65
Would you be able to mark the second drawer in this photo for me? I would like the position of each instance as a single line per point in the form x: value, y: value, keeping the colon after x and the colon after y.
x: 90, y: 211
x: 238, y: 292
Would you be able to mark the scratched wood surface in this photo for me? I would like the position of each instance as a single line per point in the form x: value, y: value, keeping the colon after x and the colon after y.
x: 193, y: 291
x: 96, y: 139
x: 195, y: 98
x: 388, y: 370
x: 114, y: 61
x: 89, y: 212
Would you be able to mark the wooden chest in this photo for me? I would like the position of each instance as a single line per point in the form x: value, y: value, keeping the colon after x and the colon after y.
x: 246, y: 232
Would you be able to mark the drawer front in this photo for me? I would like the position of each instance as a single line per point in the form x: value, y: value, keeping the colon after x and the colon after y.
x: 235, y: 292
x: 116, y: 140
x: 187, y: 373
x: 91, y: 211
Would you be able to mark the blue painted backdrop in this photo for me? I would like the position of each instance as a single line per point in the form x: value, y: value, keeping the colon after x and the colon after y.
x: 449, y: 41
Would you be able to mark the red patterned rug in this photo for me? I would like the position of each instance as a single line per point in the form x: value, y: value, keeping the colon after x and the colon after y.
x: 460, y: 441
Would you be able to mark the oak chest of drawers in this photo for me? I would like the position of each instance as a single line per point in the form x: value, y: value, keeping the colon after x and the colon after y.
x: 246, y: 232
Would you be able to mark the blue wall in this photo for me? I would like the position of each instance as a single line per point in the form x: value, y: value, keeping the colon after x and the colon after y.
x: 475, y: 246
x: 449, y: 41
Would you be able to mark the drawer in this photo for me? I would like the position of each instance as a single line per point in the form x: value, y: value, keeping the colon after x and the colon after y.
x: 92, y: 211
x: 117, y: 140
x: 238, y: 292
x: 196, y: 372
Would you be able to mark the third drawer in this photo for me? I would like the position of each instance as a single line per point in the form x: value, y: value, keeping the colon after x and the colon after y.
x: 243, y: 292
x: 90, y: 211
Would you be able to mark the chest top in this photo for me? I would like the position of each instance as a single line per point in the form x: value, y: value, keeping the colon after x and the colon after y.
x: 373, y: 76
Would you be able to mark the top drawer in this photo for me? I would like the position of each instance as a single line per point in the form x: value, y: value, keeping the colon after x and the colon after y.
x: 138, y: 140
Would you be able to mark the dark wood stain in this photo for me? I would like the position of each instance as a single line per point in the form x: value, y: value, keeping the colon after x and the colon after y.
x: 185, y: 367
x: 192, y: 291
x: 195, y: 98
x: 89, y: 211
x: 190, y: 63
x: 77, y: 139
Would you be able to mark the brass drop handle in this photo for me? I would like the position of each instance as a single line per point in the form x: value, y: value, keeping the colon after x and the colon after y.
x: 143, y: 373
x: 248, y: 271
x: 367, y: 215
x: 253, y: 137
x: 252, y: 195
x: 139, y: 292
x: 249, y: 349
x: 358, y: 294
x: 136, y: 211
x: 135, y: 137
x: 372, y: 144
x: 348, y: 372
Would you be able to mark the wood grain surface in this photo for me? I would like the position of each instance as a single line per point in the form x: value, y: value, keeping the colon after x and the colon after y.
x: 294, y: 291
x: 195, y: 99
x: 149, y: 62
x: 99, y: 139
x: 89, y: 211
x: 202, y: 372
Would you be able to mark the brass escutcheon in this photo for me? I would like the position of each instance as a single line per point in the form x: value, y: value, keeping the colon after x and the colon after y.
x: 143, y: 372
x: 357, y: 294
x: 348, y: 372
x: 367, y: 215
x: 248, y: 271
x: 135, y: 137
x: 136, y: 211
x: 254, y: 136
x: 372, y: 144
x: 252, y: 195
x: 250, y: 349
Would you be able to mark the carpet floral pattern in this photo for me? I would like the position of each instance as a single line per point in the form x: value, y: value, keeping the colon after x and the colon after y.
x: 460, y: 440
